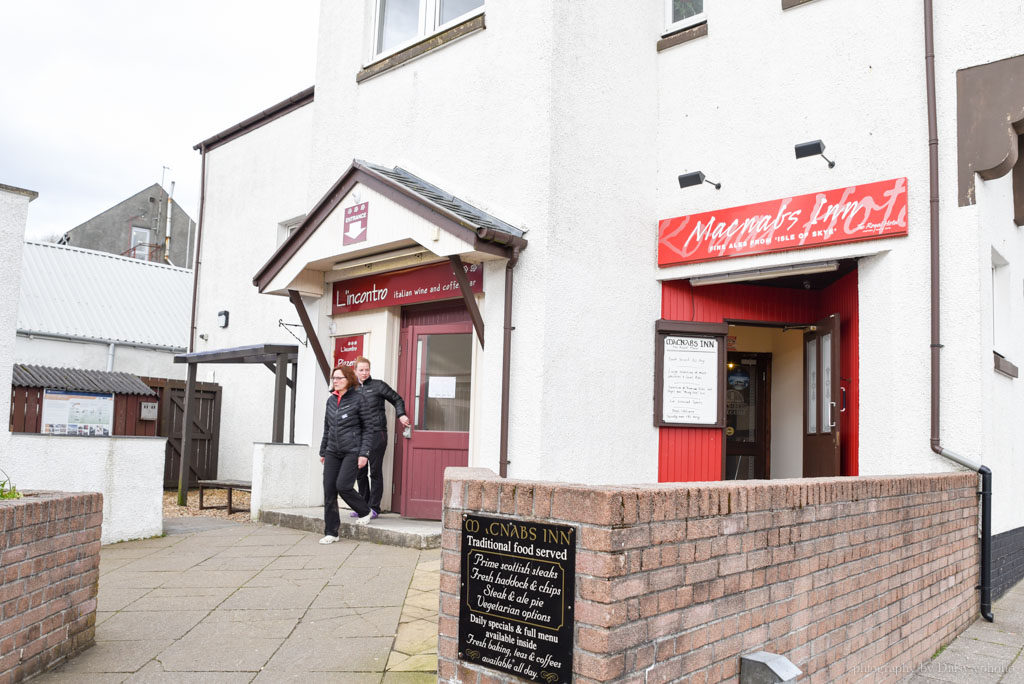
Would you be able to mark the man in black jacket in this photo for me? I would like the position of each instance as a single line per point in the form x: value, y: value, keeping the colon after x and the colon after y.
x: 375, y: 393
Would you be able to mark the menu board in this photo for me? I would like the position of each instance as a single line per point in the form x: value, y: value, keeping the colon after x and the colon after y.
x: 517, y: 597
x: 690, y: 380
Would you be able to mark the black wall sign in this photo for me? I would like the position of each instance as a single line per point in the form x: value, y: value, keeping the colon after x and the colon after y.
x: 517, y: 597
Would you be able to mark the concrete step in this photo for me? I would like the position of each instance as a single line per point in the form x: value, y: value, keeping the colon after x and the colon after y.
x: 390, y: 528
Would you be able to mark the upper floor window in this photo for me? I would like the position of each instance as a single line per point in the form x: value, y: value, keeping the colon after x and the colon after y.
x: 402, y: 22
x: 683, y: 13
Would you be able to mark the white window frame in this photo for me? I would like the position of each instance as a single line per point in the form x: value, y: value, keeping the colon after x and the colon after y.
x: 430, y: 16
x: 1001, y: 305
x: 683, y: 23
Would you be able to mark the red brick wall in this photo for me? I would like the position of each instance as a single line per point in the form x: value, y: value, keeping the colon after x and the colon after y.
x: 853, y: 578
x: 49, y: 575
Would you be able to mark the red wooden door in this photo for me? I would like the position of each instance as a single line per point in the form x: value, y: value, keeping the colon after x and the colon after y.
x: 435, y: 379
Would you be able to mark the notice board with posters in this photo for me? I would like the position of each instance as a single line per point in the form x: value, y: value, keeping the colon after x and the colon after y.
x: 689, y: 365
x: 517, y: 597
x: 84, y: 414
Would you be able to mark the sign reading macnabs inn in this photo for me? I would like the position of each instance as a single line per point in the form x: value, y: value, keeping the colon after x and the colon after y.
x: 861, y: 212
x: 426, y: 284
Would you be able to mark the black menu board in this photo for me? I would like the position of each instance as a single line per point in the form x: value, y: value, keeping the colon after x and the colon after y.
x: 517, y: 597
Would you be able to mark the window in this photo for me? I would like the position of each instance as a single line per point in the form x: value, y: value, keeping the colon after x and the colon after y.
x: 286, y: 228
x: 683, y: 14
x: 1000, y: 304
x: 403, y: 22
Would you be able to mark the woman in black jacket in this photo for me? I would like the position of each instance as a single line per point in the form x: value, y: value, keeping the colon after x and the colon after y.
x: 344, y: 450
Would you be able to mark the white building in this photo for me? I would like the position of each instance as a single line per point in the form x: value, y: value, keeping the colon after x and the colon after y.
x: 91, y: 310
x: 572, y: 128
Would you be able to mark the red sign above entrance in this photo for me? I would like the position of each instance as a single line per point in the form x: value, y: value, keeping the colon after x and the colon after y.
x: 426, y: 284
x: 356, y: 223
x: 347, y: 350
x: 862, y: 212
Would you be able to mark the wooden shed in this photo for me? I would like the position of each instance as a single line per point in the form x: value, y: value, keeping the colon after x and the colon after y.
x: 95, y: 403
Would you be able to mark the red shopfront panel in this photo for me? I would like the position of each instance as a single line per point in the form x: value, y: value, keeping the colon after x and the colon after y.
x: 695, y: 454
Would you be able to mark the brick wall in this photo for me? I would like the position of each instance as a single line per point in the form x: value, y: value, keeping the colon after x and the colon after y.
x: 49, y: 574
x: 853, y: 579
x: 1007, y: 560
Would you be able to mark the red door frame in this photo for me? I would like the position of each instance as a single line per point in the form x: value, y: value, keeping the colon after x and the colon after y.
x: 695, y: 454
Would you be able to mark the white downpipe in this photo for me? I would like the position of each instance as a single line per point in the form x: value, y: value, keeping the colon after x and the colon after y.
x: 110, y: 356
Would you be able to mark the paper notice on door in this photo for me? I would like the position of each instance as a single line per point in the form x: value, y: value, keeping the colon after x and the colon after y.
x: 441, y: 387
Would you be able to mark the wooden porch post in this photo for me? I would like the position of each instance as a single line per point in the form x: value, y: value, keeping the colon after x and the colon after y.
x: 186, y: 435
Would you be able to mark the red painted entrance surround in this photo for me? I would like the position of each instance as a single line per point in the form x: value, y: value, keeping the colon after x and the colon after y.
x: 695, y: 454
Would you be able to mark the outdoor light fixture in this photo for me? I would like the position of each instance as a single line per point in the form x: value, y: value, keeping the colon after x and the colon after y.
x: 222, y: 319
x: 766, y: 273
x: 696, y: 178
x: 813, y: 149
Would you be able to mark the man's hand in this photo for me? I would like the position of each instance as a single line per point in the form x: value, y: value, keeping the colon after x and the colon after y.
x: 321, y: 460
x: 404, y: 420
x: 362, y: 461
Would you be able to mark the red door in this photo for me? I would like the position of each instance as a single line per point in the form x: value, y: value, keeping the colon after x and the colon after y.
x: 435, y: 379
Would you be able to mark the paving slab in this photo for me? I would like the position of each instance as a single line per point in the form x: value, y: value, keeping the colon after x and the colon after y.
x: 247, y: 602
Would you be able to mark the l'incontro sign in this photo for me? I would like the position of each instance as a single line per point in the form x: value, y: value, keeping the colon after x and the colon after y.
x: 425, y: 284
x: 517, y: 597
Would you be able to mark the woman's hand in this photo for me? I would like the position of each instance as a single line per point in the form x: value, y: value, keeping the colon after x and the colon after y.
x: 362, y: 461
x: 321, y: 460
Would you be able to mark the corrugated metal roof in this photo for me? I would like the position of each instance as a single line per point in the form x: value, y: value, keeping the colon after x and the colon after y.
x: 465, y: 210
x: 73, y: 379
x: 69, y: 291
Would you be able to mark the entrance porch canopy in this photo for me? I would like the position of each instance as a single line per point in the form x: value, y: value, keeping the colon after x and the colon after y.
x: 407, y: 223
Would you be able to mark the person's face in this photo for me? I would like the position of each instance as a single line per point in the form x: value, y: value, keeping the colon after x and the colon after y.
x: 338, y: 382
x: 362, y: 371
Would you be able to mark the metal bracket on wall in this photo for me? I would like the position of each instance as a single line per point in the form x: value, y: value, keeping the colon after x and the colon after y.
x: 288, y: 326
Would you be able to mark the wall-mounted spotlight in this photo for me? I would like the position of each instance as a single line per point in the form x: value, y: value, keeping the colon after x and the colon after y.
x: 222, y: 319
x: 813, y: 149
x: 696, y: 178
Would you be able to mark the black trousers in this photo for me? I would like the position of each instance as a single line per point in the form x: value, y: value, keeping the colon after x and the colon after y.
x: 339, y: 476
x: 372, y: 488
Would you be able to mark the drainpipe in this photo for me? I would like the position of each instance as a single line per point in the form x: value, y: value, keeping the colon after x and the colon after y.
x: 936, y: 443
x: 110, y: 356
x: 199, y: 239
x: 506, y: 362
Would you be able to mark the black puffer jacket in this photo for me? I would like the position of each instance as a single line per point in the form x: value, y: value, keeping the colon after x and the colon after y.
x: 376, y: 392
x: 345, y: 425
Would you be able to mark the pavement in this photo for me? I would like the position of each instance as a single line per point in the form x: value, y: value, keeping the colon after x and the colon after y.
x: 220, y: 601
x: 986, y: 652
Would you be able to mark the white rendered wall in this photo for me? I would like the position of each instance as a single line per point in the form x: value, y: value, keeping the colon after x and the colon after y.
x: 285, y: 476
x: 1002, y: 450
x: 13, y: 215
x: 93, y: 356
x: 253, y: 183
x: 128, y: 471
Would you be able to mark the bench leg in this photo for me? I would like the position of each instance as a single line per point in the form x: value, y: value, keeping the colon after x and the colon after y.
x: 230, y: 511
x: 201, y: 507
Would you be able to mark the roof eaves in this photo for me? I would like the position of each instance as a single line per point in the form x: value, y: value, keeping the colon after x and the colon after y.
x: 257, y: 120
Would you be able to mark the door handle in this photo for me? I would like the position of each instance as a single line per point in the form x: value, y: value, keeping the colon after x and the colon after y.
x: 831, y: 406
x: 407, y: 432
x: 842, y: 392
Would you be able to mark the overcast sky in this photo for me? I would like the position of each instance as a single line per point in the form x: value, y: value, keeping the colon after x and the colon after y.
x: 97, y: 96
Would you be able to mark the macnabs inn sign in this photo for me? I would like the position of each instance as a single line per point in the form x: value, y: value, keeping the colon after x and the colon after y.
x: 861, y: 212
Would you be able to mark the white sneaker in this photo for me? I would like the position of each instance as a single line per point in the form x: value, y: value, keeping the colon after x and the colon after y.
x: 328, y: 539
x: 365, y: 520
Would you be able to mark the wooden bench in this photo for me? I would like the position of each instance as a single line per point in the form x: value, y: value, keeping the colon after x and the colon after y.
x: 229, y: 485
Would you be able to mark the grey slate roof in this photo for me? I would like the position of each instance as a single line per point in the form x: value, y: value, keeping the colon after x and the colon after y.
x: 432, y: 193
x: 73, y: 379
x: 81, y: 293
